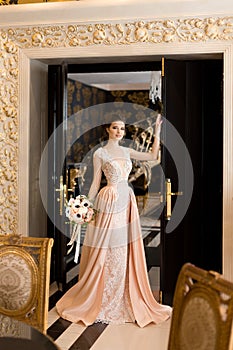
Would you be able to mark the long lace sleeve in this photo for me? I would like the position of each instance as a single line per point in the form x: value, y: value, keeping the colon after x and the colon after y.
x: 97, y: 174
x: 144, y: 156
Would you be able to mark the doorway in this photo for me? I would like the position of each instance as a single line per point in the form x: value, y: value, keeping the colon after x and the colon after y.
x: 188, y: 256
x: 84, y: 95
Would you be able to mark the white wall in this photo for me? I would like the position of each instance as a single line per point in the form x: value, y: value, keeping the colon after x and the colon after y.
x: 105, y: 10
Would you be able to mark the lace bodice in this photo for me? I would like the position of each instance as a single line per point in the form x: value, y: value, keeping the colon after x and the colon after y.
x: 115, y: 169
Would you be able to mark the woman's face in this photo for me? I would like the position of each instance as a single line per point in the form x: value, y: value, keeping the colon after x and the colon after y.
x: 116, y: 130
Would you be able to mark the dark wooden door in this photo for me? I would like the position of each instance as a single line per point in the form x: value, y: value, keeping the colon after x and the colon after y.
x: 57, y: 114
x: 192, y: 99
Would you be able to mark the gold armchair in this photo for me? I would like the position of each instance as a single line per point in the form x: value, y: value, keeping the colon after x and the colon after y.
x: 24, y: 279
x: 203, y: 311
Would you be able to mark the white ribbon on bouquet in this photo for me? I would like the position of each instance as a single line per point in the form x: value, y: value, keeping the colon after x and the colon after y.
x: 75, y: 237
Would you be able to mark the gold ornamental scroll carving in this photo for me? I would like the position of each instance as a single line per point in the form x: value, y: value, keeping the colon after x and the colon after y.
x: 12, y: 39
x: 8, y: 134
x: 159, y: 31
x: 20, y: 2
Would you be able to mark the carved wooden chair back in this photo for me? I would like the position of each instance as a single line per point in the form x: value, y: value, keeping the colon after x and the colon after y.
x: 202, y: 311
x: 24, y: 280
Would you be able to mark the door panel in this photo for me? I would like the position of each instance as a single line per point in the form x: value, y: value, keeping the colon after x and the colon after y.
x: 192, y: 98
x: 57, y: 116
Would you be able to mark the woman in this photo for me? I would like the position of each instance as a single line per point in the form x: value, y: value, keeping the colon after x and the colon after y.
x: 113, y: 285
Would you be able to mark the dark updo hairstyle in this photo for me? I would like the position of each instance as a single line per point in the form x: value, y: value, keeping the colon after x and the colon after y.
x: 113, y: 118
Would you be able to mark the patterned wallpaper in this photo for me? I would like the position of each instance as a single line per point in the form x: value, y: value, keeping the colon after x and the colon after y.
x: 81, y: 96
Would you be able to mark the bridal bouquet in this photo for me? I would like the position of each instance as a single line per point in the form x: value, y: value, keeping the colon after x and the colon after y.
x: 79, y: 211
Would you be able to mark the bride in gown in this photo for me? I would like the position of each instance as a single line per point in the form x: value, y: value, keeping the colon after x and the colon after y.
x: 113, y: 284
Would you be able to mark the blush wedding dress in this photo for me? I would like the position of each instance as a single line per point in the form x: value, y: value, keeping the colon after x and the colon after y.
x: 113, y: 284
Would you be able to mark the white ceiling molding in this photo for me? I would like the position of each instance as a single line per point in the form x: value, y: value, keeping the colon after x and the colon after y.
x: 114, y: 81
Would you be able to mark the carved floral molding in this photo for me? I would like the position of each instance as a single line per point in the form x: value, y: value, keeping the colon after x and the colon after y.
x: 13, y: 39
x: 159, y: 31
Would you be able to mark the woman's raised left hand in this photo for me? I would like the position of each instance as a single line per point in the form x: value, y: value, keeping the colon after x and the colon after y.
x: 158, y: 125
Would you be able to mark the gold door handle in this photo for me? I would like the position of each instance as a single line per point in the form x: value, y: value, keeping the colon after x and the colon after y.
x: 60, y: 198
x: 169, y: 195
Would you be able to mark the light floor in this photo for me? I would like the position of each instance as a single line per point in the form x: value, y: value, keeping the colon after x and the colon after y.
x: 113, y: 337
x: 70, y: 336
